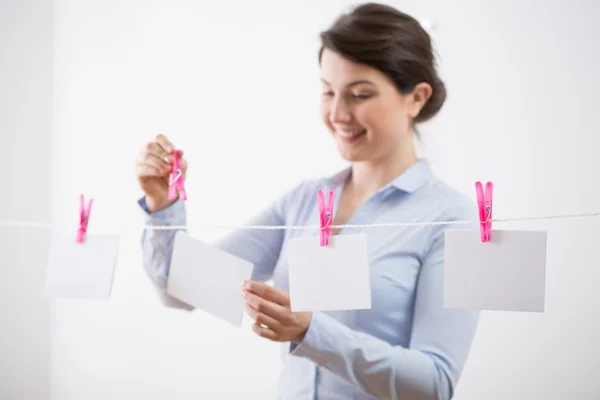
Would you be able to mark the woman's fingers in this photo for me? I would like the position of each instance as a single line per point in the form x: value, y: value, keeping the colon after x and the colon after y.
x: 165, y: 143
x: 153, y: 161
x: 264, y: 320
x: 183, y: 162
x: 264, y: 332
x: 153, y: 149
x: 267, y: 307
x: 156, y: 158
x: 184, y: 165
x: 170, y: 158
x: 145, y: 170
x: 268, y: 292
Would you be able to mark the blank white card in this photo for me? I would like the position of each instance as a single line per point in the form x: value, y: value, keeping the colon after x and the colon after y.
x: 508, y: 273
x: 208, y: 278
x: 81, y: 270
x: 332, y: 277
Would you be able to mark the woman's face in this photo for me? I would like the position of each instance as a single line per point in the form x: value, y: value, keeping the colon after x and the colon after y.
x: 367, y: 116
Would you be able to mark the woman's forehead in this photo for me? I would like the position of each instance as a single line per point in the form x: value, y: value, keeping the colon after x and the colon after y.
x: 339, y: 71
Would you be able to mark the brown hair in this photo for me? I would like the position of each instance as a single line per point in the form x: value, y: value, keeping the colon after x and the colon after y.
x: 394, y: 43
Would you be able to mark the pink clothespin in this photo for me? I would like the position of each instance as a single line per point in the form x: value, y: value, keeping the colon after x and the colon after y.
x: 484, y: 203
x: 84, y: 217
x: 176, y: 180
x: 325, y: 215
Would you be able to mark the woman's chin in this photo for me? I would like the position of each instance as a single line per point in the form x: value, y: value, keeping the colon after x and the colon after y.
x: 352, y: 156
x: 352, y: 150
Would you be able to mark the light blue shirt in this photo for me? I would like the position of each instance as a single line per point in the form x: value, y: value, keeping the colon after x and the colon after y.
x: 407, y: 346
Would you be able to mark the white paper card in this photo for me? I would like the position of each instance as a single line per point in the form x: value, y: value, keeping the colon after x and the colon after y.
x: 81, y: 270
x: 332, y: 277
x: 208, y: 278
x: 508, y: 273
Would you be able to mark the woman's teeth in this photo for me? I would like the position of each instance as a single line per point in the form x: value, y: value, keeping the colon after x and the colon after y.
x: 351, y: 134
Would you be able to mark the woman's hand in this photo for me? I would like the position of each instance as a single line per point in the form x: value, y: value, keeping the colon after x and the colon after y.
x: 269, y: 307
x: 153, y: 166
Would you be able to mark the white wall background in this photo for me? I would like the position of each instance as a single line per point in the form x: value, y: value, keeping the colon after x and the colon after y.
x: 236, y: 85
x: 26, y: 38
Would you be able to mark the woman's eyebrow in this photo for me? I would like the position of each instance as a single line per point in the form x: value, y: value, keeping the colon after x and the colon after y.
x: 352, y: 83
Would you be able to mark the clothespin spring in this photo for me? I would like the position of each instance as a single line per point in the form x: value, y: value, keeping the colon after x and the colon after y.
x: 484, y: 203
x: 325, y: 216
x: 84, y: 218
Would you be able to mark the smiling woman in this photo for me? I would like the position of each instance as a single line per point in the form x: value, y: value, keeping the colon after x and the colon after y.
x: 379, y: 82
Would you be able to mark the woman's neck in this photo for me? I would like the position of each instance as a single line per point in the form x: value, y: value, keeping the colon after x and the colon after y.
x: 370, y: 176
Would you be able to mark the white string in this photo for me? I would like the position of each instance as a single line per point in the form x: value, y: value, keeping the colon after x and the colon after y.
x: 33, y: 224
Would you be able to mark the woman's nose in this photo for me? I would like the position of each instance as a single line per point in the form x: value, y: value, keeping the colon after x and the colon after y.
x: 339, y: 112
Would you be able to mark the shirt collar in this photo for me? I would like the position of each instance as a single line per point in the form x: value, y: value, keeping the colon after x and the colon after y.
x: 408, y: 181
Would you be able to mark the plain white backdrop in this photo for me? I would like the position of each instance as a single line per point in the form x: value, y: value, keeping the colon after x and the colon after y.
x: 26, y: 53
x: 236, y: 86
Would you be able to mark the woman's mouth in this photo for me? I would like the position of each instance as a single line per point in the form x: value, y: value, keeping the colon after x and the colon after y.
x: 351, y: 137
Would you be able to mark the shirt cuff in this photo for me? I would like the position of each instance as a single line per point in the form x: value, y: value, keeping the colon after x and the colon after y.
x: 171, y: 215
x: 320, y: 339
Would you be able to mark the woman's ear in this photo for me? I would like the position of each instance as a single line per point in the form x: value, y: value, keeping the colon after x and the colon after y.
x: 418, y: 98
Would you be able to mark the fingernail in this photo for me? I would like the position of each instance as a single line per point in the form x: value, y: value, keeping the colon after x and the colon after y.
x: 166, y: 159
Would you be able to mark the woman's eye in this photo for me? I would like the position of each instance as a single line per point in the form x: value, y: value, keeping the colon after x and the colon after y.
x: 361, y: 96
x: 328, y: 94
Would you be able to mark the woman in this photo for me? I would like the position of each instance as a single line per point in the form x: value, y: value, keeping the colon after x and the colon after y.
x: 379, y: 81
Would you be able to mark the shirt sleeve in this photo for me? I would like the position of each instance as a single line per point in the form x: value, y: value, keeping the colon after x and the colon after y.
x: 431, y: 365
x: 260, y: 247
x: 157, y: 248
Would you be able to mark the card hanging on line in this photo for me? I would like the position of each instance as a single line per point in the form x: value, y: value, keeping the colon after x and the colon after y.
x: 208, y: 278
x: 500, y: 270
x: 81, y: 265
x: 315, y: 270
x: 332, y: 277
x: 506, y: 273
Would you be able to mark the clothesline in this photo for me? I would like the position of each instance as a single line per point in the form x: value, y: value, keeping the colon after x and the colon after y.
x: 35, y: 224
